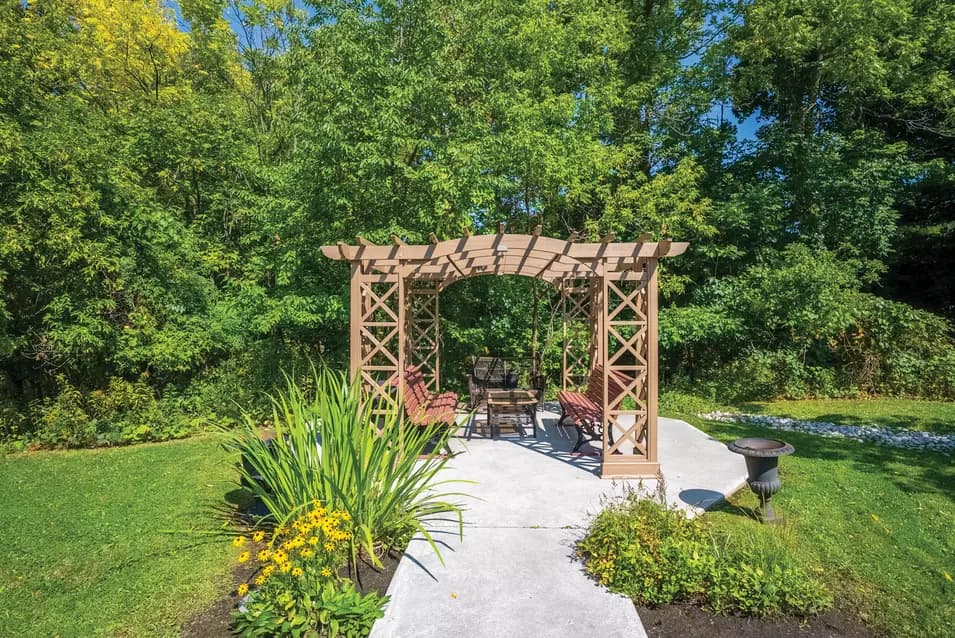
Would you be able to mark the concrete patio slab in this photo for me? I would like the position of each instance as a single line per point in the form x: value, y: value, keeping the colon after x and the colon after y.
x: 514, y: 572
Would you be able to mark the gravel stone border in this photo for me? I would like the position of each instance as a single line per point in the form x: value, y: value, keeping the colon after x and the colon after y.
x: 906, y: 439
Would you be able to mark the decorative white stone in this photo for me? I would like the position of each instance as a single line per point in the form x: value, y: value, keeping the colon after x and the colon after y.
x: 899, y: 438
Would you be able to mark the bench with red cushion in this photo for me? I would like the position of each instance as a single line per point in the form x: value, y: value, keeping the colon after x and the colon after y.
x: 583, y: 409
x: 422, y: 406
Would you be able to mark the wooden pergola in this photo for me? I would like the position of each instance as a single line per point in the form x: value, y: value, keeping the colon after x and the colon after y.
x: 611, y: 287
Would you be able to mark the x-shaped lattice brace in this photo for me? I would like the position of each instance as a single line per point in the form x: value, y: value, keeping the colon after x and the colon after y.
x: 576, y: 308
x: 424, y: 329
x: 626, y: 311
x: 380, y: 336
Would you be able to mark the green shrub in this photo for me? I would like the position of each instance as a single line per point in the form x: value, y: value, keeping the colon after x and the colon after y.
x: 657, y: 555
x: 124, y: 412
x: 648, y: 552
x: 332, y: 609
x: 366, y: 464
x: 757, y: 574
x: 297, y: 590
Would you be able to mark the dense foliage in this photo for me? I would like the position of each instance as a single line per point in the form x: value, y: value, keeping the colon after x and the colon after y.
x: 331, y: 447
x: 656, y: 555
x: 168, y: 170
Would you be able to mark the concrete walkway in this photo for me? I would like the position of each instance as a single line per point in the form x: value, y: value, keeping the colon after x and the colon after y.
x: 514, y: 573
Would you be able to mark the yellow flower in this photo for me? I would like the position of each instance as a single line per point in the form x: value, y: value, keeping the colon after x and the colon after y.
x: 326, y: 572
x: 280, y: 557
x: 329, y: 547
x: 307, y: 553
x: 258, y: 536
x: 297, y: 572
x: 313, y: 540
x: 260, y: 580
x: 244, y: 557
x: 242, y: 589
x: 285, y: 567
x: 263, y: 556
x: 238, y: 541
x: 268, y: 570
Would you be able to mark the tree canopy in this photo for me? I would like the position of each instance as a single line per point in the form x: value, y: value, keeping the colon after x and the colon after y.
x: 168, y: 171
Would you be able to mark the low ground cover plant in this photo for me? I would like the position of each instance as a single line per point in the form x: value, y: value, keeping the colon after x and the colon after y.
x: 655, y: 555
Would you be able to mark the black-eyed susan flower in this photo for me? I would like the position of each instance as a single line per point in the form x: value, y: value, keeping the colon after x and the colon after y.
x: 268, y: 570
x: 329, y: 547
x: 263, y: 556
x: 258, y: 536
x: 307, y: 553
x: 242, y: 589
x: 260, y: 580
x: 313, y: 541
x: 326, y: 572
x: 297, y: 572
x: 238, y: 541
x: 244, y: 557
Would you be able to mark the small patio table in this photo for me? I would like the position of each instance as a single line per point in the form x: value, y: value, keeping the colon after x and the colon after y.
x: 516, y: 403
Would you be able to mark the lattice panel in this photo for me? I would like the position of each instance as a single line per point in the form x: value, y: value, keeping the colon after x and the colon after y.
x: 577, y: 326
x: 423, y: 321
x: 380, y: 336
x: 626, y: 306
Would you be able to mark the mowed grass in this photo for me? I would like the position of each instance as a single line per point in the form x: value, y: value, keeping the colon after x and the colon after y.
x: 879, y: 523
x: 109, y: 542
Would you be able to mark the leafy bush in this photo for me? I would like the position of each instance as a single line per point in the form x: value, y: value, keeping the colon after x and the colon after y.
x: 124, y: 412
x: 796, y: 325
x: 756, y: 574
x: 329, y: 446
x: 296, y: 588
x: 339, y: 610
x: 657, y: 555
x: 653, y: 554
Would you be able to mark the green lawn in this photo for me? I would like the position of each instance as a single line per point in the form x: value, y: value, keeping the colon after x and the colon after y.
x: 85, y: 542
x: 878, y: 522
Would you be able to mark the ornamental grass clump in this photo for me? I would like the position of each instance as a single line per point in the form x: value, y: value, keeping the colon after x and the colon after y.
x: 330, y: 446
x: 295, y: 589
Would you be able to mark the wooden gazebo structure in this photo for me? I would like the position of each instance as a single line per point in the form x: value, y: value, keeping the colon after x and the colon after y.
x: 611, y: 287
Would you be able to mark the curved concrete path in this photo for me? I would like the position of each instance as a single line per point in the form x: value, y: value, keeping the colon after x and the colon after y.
x: 514, y: 573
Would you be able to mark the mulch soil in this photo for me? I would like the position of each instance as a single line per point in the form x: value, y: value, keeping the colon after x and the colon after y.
x: 680, y: 621
x: 215, y: 621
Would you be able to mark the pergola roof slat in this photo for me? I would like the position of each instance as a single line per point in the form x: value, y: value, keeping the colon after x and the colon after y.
x: 513, y: 244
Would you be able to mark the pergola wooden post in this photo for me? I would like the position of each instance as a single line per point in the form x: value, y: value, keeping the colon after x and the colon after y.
x: 607, y: 288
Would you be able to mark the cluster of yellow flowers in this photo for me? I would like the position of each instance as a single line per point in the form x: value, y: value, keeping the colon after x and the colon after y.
x: 291, y: 546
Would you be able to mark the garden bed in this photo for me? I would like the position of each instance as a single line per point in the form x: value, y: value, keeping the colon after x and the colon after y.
x: 677, y: 621
x: 215, y: 622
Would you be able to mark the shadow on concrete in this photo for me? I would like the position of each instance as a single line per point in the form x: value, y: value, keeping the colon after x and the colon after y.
x: 553, y: 441
x: 443, y: 546
x: 702, y: 498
